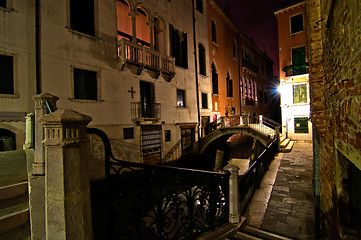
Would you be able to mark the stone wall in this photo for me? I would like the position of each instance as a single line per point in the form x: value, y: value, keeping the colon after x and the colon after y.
x: 335, y: 59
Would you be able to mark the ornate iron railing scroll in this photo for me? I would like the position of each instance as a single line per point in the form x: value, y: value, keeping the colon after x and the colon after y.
x: 161, y: 202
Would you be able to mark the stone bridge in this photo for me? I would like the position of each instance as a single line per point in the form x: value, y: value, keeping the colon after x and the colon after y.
x: 264, y: 131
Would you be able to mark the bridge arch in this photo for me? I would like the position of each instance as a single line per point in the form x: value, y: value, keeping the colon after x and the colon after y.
x: 265, y: 140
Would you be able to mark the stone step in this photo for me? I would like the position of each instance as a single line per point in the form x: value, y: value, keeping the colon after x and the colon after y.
x: 244, y: 236
x: 289, y: 147
x: 263, y: 234
x: 284, y: 143
x: 14, y: 220
x: 20, y: 233
x: 13, y: 190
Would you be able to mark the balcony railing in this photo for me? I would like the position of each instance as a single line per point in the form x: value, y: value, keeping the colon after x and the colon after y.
x: 143, y: 57
x: 143, y: 110
x: 296, y: 69
x: 250, y: 66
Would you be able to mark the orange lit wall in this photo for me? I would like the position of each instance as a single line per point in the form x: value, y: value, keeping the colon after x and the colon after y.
x: 286, y: 40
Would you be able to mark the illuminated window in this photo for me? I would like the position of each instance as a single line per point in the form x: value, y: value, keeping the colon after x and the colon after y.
x: 181, y: 101
x: 142, y: 28
x: 202, y: 59
x: 85, y: 84
x: 6, y: 74
x: 124, y: 21
x: 82, y: 16
x: 301, y: 125
x: 297, y: 23
x: 300, y: 93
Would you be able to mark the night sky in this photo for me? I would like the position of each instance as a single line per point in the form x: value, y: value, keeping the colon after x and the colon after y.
x: 256, y: 19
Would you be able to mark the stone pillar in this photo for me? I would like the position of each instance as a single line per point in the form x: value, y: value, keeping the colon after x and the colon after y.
x: 234, y: 201
x: 40, y: 110
x: 29, y: 131
x: 260, y: 117
x: 67, y: 194
x: 246, y: 120
x: 277, y: 133
x: 219, y: 160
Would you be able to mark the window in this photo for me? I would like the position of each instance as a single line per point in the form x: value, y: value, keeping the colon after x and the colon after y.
x: 178, y: 41
x: 301, y: 125
x: 298, y: 55
x: 300, y: 93
x: 234, y: 49
x: 241, y: 87
x: 202, y: 59
x: 3, y: 3
x: 181, y: 98
x: 229, y: 84
x: 297, y: 23
x: 142, y: 28
x: 167, y: 135
x: 214, y: 79
x: 128, y: 133
x: 214, y: 31
x: 124, y: 21
x: 85, y: 84
x: 199, y: 5
x: 82, y: 16
x: 6, y: 74
x: 204, y: 101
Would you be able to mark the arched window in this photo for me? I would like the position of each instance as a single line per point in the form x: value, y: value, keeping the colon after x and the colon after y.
x: 214, y: 31
x: 229, y: 84
x: 124, y: 21
x: 202, y: 59
x: 159, y: 42
x: 214, y: 79
x: 142, y: 28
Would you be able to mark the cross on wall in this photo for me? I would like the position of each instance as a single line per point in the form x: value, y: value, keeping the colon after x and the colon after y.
x: 131, y: 91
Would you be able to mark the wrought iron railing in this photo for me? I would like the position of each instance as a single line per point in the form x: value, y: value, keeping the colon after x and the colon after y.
x: 174, y: 154
x: 296, y: 69
x: 140, y: 55
x: 158, y: 202
x: 145, y: 110
x: 251, y: 179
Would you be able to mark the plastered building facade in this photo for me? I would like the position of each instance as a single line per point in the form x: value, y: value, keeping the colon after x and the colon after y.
x: 293, y: 68
x: 241, y: 74
x: 130, y: 65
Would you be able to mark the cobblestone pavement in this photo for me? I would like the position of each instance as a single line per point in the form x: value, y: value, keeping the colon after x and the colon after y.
x: 284, y: 204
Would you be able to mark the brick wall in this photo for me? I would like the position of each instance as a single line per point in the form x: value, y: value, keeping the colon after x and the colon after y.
x: 335, y: 78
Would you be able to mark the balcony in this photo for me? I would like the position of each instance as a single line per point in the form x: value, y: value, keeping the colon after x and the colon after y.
x: 137, y: 57
x: 296, y: 69
x: 145, y: 111
x: 247, y: 65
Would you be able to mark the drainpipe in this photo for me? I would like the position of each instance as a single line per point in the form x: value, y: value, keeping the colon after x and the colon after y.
x: 196, y: 72
x: 37, y: 46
